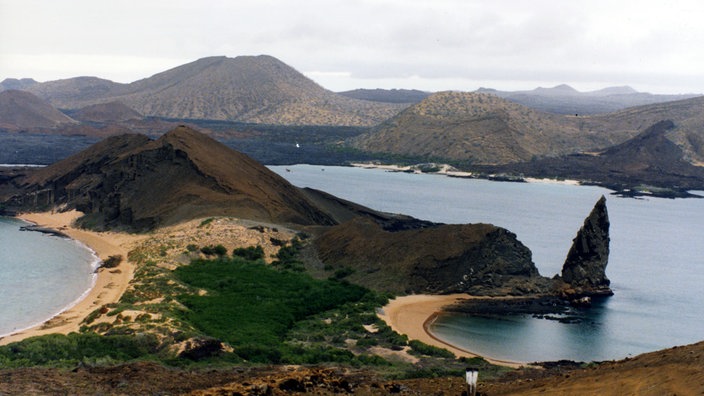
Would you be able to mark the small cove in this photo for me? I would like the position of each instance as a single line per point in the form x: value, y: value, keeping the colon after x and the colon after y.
x: 41, y: 275
x: 656, y: 264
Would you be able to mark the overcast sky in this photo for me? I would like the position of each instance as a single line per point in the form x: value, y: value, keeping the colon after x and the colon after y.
x: 433, y: 45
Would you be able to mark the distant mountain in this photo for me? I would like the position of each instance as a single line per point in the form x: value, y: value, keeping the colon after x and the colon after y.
x: 479, y: 128
x: 387, y: 95
x: 73, y: 93
x: 21, y: 110
x: 651, y: 158
x: 105, y: 112
x: 563, y: 99
x: 256, y: 89
x: 623, y: 90
x: 14, y: 83
x: 686, y: 114
x: 482, y: 129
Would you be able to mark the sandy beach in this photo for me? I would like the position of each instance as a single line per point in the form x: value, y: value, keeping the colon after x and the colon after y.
x: 109, y: 285
x: 447, y: 170
x: 412, y: 315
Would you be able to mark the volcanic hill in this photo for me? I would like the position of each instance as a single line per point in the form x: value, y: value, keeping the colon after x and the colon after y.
x: 387, y: 95
x: 478, y: 129
x: 651, y: 158
x: 22, y: 110
x: 256, y: 89
x: 488, y: 134
x: 106, y: 112
x: 16, y: 83
x: 563, y: 99
x: 134, y: 182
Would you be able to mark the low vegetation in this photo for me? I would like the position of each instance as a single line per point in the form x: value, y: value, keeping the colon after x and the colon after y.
x: 239, y: 310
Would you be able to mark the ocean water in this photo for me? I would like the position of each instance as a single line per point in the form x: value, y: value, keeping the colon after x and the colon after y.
x: 40, y: 275
x: 656, y: 265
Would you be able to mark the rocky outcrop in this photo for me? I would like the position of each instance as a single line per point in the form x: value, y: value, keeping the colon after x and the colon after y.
x: 585, y: 267
x: 472, y: 258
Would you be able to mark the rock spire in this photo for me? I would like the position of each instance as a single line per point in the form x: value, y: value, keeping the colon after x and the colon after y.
x: 585, y: 267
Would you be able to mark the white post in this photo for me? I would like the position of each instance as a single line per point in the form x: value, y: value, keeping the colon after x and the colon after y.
x: 472, y: 374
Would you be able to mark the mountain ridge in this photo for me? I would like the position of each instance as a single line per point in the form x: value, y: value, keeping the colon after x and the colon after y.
x: 564, y: 99
x: 256, y: 89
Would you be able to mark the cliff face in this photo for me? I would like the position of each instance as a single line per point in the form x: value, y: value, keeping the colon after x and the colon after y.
x: 585, y: 266
x: 440, y: 258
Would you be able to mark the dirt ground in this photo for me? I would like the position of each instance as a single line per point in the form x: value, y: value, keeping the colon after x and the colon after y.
x: 675, y: 371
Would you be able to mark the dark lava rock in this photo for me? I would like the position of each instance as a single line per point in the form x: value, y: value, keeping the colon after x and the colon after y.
x: 585, y: 266
x: 201, y: 348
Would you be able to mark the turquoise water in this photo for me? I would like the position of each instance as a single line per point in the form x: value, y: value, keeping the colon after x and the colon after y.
x: 656, y: 264
x: 40, y: 275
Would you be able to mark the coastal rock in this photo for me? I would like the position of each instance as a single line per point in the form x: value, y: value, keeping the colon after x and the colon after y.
x: 474, y: 258
x: 585, y: 266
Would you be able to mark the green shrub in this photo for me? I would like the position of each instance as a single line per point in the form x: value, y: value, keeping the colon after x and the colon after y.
x: 418, y: 347
x: 277, y: 242
x: 206, y: 222
x: 68, y: 350
x: 252, y: 306
x: 210, y: 250
x: 251, y: 253
x: 343, y: 273
x: 112, y: 261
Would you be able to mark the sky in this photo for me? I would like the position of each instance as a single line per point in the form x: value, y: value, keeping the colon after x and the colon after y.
x: 431, y: 45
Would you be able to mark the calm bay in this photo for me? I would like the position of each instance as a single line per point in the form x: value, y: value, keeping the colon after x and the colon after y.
x: 656, y: 264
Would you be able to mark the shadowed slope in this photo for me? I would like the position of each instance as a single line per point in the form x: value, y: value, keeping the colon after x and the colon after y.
x: 477, y: 258
x: 133, y: 182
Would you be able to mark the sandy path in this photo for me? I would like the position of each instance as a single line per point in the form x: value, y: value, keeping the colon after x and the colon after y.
x: 412, y: 316
x: 110, y: 283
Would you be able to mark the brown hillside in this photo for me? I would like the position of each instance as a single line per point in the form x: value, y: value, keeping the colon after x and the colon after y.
x: 650, y: 158
x: 687, y: 114
x: 479, y: 128
x: 106, y: 112
x: 257, y: 89
x: 133, y: 182
x: 22, y: 110
x: 434, y: 259
x: 674, y: 371
x: 66, y: 93
x: 485, y: 129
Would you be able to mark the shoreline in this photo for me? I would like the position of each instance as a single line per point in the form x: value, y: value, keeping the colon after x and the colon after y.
x: 108, y: 285
x: 446, y: 170
x: 95, y: 265
x: 414, y: 314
